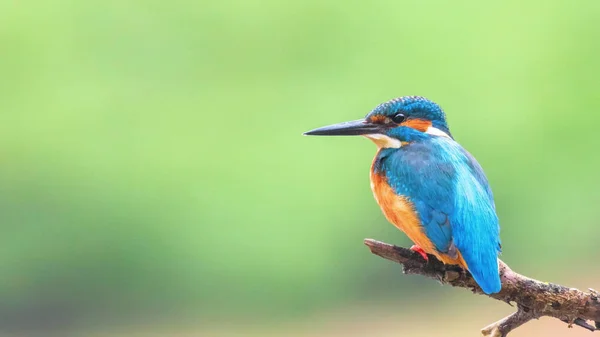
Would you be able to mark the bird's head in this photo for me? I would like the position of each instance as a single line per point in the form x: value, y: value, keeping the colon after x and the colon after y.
x: 394, y: 123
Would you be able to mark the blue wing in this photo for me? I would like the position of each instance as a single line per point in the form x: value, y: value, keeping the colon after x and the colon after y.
x: 455, y: 204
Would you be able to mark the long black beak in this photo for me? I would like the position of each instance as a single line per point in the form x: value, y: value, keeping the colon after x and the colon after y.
x: 352, y: 128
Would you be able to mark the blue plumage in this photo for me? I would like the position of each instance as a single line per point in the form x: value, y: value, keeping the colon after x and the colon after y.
x: 451, y: 195
x: 449, y: 191
x: 415, y: 106
x: 424, y: 168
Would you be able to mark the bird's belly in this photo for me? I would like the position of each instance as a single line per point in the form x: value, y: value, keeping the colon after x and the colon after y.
x: 400, y: 212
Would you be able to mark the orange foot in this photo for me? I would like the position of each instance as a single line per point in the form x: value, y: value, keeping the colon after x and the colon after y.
x: 420, y: 250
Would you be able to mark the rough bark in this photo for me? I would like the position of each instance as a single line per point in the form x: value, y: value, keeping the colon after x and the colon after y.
x: 533, y: 298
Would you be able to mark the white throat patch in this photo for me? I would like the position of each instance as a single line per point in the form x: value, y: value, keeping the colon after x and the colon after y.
x: 436, y: 132
x: 383, y: 142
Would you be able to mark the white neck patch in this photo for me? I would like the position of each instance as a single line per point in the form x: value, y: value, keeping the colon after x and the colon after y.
x: 383, y: 142
x: 436, y: 132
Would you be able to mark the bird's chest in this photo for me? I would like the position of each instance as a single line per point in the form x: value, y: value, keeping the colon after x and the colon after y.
x: 397, y: 208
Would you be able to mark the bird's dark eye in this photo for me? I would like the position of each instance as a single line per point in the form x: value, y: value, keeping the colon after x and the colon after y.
x: 398, y: 118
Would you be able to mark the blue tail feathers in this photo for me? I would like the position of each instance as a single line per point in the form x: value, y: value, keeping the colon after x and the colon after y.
x: 486, y: 275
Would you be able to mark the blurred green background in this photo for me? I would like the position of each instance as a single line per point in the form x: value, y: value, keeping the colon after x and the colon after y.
x: 154, y: 180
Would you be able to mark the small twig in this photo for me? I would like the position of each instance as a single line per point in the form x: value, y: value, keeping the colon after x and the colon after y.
x: 534, y: 298
x: 580, y: 322
x: 508, y: 323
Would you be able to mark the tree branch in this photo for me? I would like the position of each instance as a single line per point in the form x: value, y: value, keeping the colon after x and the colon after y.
x: 534, y: 298
x: 508, y: 323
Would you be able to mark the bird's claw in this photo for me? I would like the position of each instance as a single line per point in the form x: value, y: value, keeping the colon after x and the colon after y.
x: 421, y: 252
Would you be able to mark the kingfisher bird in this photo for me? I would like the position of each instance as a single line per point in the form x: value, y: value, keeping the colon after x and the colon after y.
x: 429, y: 186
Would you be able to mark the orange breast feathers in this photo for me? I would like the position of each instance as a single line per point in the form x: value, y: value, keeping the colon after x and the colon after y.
x: 401, y: 213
